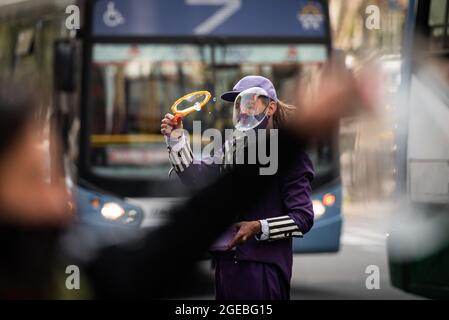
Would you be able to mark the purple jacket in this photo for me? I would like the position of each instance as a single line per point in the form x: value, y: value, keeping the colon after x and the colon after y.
x: 290, y: 196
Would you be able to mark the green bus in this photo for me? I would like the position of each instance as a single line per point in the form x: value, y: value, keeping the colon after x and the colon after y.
x: 418, y: 244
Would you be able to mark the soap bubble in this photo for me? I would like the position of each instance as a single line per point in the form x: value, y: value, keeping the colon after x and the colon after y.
x: 214, y: 99
x: 197, y: 106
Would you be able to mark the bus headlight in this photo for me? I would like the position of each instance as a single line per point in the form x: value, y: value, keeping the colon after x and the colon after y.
x: 112, y: 211
x: 329, y: 200
x: 318, y: 208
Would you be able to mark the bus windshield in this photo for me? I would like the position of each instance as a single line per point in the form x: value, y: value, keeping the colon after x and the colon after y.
x: 133, y: 87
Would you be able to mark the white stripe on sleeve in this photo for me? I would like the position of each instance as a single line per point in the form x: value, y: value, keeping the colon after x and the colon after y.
x: 283, y: 227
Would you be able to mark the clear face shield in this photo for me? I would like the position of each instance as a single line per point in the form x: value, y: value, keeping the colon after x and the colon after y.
x: 250, y: 109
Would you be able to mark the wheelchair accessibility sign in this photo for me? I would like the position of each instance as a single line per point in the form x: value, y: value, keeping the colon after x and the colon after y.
x: 112, y: 17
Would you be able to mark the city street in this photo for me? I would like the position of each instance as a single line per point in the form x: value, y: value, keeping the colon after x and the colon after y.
x: 342, y: 275
x: 134, y: 134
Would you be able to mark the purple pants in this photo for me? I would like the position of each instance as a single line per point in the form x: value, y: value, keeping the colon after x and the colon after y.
x: 248, y: 280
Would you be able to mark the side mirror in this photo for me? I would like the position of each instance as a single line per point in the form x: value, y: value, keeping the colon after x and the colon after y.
x: 64, y: 68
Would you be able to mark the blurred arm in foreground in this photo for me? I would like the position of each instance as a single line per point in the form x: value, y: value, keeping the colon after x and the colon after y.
x: 159, y: 264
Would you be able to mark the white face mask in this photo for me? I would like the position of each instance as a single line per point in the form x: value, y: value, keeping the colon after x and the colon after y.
x: 250, y: 109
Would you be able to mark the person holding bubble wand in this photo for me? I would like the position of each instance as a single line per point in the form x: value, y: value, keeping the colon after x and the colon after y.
x: 254, y: 259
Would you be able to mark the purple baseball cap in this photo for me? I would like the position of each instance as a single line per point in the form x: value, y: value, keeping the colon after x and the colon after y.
x: 251, y: 82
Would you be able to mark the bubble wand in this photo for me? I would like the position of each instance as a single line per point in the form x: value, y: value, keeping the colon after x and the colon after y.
x: 190, y: 98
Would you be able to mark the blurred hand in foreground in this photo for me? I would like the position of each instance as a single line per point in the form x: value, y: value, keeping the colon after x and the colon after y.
x: 339, y: 95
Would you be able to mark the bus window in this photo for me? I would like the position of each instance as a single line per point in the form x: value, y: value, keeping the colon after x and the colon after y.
x: 288, y: 66
x: 133, y: 88
x: 437, y: 25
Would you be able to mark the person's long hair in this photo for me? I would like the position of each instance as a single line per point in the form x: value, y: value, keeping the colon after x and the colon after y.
x: 282, y: 114
x: 26, y: 254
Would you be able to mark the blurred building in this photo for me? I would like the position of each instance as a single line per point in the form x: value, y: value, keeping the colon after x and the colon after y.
x: 349, y: 31
x: 367, y: 145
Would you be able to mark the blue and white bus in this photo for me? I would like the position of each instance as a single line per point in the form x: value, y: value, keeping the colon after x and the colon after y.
x: 139, y: 56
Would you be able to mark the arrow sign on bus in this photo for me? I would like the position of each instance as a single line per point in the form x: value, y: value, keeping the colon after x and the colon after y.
x: 230, y: 7
x: 216, y: 18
